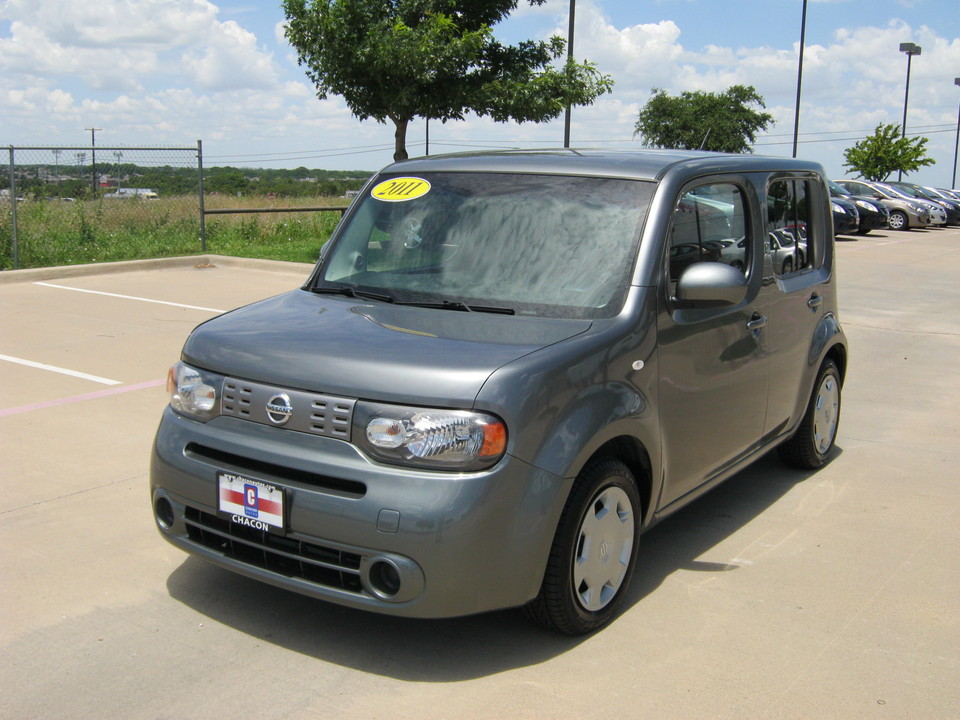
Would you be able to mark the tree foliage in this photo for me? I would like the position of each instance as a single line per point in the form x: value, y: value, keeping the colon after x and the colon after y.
x: 878, y: 155
x: 722, y: 122
x: 401, y: 59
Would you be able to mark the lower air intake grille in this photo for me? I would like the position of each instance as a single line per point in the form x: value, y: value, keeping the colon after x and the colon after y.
x: 282, y: 555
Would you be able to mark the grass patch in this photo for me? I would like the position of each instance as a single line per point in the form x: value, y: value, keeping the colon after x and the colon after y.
x: 52, y: 233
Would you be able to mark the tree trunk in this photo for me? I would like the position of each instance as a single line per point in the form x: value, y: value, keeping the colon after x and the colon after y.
x: 400, y: 139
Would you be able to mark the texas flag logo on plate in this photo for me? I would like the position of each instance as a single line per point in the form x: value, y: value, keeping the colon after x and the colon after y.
x: 250, y: 502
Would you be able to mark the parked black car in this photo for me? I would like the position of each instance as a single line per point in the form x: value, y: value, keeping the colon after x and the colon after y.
x: 874, y: 215
x: 846, y: 217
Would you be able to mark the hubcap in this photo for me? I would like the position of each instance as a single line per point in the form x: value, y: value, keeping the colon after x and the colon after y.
x: 826, y: 414
x: 604, y: 549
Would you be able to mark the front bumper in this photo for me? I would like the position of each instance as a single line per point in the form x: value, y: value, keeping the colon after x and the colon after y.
x: 393, y: 540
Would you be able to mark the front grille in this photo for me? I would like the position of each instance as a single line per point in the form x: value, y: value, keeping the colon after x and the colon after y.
x: 309, y: 412
x: 285, y: 556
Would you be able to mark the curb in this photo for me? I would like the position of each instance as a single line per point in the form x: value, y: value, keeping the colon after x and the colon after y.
x: 66, y: 271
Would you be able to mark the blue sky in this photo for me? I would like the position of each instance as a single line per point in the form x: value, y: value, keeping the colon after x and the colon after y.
x: 169, y: 72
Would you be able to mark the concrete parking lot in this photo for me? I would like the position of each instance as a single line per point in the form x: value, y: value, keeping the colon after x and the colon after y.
x: 779, y: 595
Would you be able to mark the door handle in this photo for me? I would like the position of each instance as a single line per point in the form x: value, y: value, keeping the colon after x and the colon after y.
x: 756, y: 322
x: 814, y: 302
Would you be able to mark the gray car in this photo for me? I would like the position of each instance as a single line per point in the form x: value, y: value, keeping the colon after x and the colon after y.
x: 495, y: 380
x: 905, y: 213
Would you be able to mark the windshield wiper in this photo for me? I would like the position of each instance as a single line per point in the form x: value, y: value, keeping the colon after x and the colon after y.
x: 462, y: 307
x: 353, y: 292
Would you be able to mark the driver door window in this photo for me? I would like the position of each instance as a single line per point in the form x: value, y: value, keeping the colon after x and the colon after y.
x: 709, y: 225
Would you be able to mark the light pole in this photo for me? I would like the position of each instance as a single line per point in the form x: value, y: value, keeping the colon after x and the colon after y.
x: 566, y: 115
x: 796, y: 117
x: 910, y: 49
x: 956, y: 81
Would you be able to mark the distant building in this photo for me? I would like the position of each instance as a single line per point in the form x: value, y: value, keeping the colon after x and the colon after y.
x: 124, y: 193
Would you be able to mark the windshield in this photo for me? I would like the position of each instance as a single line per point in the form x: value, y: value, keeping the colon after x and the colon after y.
x: 544, y: 245
x: 892, y: 192
x: 838, y: 189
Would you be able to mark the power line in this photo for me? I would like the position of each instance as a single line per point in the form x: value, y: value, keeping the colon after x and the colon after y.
x: 854, y: 135
x: 381, y: 146
x: 849, y: 139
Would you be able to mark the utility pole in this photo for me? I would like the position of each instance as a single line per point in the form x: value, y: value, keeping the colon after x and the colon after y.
x: 118, y: 155
x: 56, y: 159
x: 93, y: 154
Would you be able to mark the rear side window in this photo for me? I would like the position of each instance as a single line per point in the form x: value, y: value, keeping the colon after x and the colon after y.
x: 789, y: 245
x: 709, y: 225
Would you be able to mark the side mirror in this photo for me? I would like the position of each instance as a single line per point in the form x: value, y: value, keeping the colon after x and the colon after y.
x: 711, y: 284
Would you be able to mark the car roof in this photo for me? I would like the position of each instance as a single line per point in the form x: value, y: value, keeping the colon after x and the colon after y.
x: 641, y: 164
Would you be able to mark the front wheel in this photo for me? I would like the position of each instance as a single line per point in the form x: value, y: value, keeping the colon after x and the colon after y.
x: 594, y: 551
x: 898, y: 221
x: 812, y: 442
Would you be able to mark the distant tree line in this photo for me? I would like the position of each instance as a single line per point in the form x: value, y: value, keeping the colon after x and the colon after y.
x: 43, y: 180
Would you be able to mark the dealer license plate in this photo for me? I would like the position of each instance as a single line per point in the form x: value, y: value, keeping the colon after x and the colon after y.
x: 250, y: 502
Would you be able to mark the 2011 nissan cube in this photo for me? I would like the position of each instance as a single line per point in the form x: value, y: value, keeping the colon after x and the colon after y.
x: 503, y: 368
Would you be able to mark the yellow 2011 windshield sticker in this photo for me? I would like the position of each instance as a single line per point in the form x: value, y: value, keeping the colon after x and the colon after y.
x: 401, y: 189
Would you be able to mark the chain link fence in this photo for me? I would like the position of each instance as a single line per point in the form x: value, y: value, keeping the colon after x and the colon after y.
x: 69, y: 205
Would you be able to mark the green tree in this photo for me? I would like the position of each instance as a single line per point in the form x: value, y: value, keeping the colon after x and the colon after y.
x: 226, y: 180
x: 722, y: 122
x: 884, y: 152
x: 402, y: 59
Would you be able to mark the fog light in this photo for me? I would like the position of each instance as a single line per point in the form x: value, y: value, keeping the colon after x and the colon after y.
x: 164, y: 512
x: 385, y: 578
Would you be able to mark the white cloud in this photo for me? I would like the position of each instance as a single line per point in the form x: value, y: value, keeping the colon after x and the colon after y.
x: 230, y: 60
x: 121, y: 45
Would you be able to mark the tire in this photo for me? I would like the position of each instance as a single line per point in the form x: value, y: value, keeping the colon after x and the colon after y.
x: 810, y: 446
x: 863, y: 231
x: 594, y: 551
x: 899, y: 220
x: 787, y: 266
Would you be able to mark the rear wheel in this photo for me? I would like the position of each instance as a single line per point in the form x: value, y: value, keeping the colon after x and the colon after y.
x: 810, y: 446
x: 898, y: 220
x: 594, y: 551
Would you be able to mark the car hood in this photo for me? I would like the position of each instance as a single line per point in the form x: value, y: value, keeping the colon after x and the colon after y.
x: 377, y: 351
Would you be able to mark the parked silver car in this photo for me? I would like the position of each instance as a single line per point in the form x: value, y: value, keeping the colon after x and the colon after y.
x: 949, y: 205
x: 904, y: 212
x: 938, y: 214
x: 495, y: 380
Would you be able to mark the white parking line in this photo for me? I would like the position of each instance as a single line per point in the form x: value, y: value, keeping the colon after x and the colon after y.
x: 129, y: 297
x: 62, y: 371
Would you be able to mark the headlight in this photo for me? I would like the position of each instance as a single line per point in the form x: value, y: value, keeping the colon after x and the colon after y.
x: 191, y: 392
x: 430, y: 438
x: 837, y: 208
x: 864, y: 205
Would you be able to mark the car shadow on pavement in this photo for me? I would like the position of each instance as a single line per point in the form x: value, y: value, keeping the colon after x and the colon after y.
x: 459, y: 649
